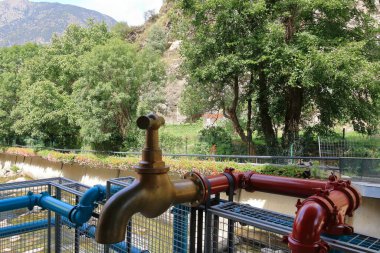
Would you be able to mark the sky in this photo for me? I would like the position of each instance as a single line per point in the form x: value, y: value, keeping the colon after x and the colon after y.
x: 130, y: 11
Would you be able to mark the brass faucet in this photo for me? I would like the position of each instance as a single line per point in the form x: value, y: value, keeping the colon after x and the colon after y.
x: 151, y: 193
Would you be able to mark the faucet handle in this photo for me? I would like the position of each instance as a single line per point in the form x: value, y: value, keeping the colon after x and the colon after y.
x: 151, y: 121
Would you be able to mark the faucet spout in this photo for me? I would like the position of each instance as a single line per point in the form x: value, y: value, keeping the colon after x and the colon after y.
x: 117, y: 212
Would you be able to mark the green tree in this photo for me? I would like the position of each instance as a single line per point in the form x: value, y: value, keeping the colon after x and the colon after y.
x: 153, y: 76
x: 60, y: 61
x: 11, y: 62
x: 277, y: 53
x: 107, y: 94
x: 217, y: 137
x: 43, y: 114
x: 58, y: 64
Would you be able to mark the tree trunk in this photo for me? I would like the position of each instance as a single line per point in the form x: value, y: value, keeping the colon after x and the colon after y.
x: 293, y: 95
x: 251, y: 149
x: 231, y: 113
x: 265, y: 118
x: 249, y: 124
x: 294, y: 102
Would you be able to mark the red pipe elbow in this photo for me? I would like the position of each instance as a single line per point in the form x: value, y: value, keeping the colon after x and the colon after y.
x: 307, y: 228
x: 323, y: 212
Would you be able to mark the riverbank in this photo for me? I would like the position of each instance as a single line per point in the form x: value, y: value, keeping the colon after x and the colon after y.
x: 178, y: 165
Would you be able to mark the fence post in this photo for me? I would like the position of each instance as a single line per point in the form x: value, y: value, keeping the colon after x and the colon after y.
x: 340, y: 166
x: 186, y: 145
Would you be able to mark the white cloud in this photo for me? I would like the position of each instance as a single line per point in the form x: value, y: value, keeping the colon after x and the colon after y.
x: 131, y: 11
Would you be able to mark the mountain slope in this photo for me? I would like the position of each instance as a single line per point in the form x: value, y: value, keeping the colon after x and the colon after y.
x: 23, y: 21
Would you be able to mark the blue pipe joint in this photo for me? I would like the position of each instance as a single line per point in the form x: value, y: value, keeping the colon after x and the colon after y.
x: 33, y: 200
x: 82, y: 212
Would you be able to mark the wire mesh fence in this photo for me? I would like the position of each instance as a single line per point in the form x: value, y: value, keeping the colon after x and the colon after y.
x: 359, y: 147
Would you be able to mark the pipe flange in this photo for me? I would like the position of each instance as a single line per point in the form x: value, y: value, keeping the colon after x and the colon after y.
x: 200, y: 182
x: 358, y: 196
x: 324, y: 201
x: 246, y: 181
x: 297, y: 246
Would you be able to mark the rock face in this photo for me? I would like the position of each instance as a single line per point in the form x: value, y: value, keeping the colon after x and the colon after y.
x: 22, y: 21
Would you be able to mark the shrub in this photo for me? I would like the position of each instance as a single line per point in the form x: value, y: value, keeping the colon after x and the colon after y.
x: 218, y: 137
x: 181, y: 165
x: 20, y: 151
x: 157, y: 39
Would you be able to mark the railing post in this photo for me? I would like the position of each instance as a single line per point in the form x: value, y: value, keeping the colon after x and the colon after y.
x: 215, y: 231
x: 77, y: 233
x: 193, y: 219
x: 58, y: 225
x: 49, y: 224
x: 200, y: 231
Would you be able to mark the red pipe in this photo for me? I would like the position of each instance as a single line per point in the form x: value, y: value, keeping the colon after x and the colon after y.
x: 287, y: 186
x: 324, y: 210
x: 251, y: 181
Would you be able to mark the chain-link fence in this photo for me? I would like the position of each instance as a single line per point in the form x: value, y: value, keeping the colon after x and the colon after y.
x: 359, y: 147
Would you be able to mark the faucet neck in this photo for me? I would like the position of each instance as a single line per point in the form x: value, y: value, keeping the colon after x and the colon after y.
x: 151, y: 162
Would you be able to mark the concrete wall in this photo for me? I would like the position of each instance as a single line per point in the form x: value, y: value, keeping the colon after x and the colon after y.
x: 38, y: 168
x: 365, y: 221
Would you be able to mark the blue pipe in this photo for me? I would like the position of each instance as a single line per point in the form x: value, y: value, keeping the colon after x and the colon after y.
x: 28, y: 201
x: 78, y: 214
x: 23, y: 228
x: 85, y: 229
x: 180, y: 228
x: 45, y: 201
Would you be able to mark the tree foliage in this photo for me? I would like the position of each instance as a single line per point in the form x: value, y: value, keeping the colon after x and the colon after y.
x: 107, y: 95
x: 43, y: 113
x: 82, y: 89
x: 305, y: 64
x: 11, y: 62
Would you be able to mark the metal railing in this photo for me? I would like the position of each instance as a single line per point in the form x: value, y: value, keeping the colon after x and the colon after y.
x: 359, y: 168
x: 219, y: 226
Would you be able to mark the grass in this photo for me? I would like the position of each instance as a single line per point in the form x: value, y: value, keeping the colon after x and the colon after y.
x: 189, y: 130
